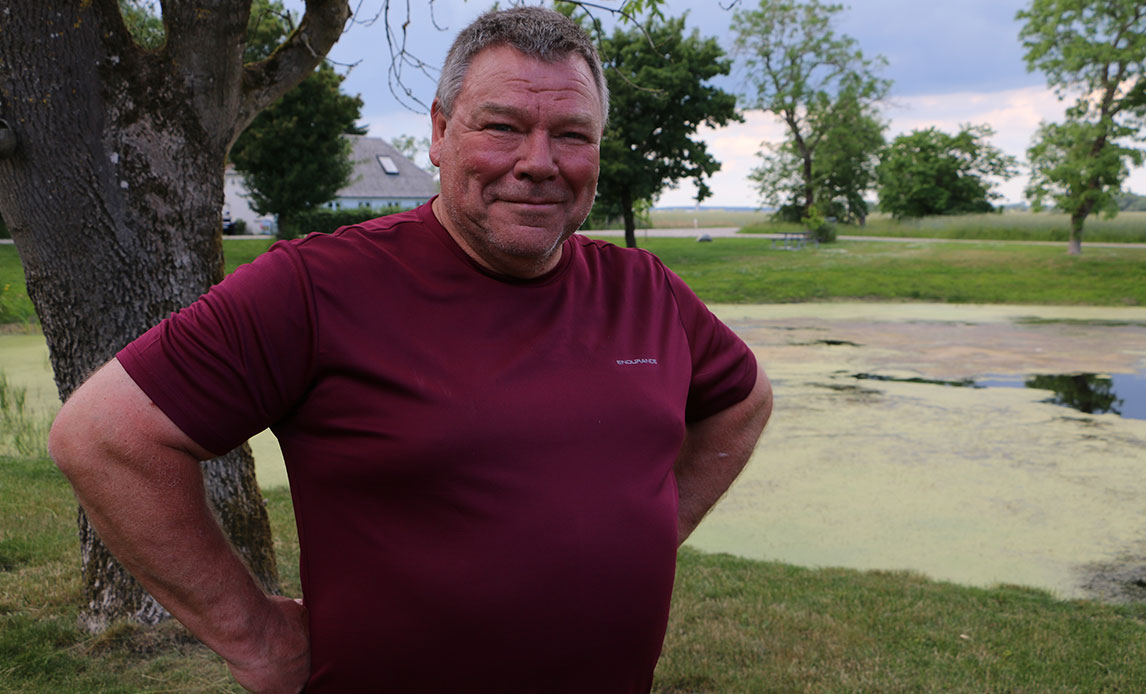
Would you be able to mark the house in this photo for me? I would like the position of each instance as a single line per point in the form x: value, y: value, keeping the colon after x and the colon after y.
x: 382, y: 177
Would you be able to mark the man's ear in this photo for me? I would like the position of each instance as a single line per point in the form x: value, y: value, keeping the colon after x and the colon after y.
x: 438, y: 122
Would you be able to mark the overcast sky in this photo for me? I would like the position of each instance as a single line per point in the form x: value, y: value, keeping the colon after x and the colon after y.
x: 951, y: 63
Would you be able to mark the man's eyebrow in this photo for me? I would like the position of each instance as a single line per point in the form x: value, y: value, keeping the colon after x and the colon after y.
x: 497, y: 109
x: 494, y: 108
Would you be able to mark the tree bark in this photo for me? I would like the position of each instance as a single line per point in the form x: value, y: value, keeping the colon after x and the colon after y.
x: 113, y: 197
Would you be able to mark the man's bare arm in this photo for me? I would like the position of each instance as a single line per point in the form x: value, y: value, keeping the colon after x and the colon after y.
x: 137, y: 476
x: 715, y: 450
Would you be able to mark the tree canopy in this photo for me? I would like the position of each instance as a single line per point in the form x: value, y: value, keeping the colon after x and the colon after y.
x: 929, y: 172
x: 658, y: 99
x: 1094, y: 53
x: 820, y: 85
x: 293, y: 156
x: 843, y: 170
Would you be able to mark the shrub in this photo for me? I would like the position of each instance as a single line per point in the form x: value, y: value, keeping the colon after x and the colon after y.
x: 825, y: 232
x: 326, y: 220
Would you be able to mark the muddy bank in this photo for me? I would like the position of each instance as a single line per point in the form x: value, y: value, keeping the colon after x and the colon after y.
x: 977, y: 486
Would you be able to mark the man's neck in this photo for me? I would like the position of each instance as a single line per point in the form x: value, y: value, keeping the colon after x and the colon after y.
x: 524, y: 268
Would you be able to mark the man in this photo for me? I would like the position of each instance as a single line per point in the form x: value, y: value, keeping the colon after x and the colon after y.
x: 497, y: 433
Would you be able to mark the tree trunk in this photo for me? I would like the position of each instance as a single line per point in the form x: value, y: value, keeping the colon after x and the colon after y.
x: 1074, y: 247
x: 809, y: 188
x: 1077, y: 219
x: 113, y: 198
x: 630, y: 218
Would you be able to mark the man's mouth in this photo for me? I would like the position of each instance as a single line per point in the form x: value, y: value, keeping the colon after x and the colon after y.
x: 532, y: 202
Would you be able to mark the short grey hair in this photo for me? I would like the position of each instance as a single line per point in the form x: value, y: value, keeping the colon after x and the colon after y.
x: 538, y: 32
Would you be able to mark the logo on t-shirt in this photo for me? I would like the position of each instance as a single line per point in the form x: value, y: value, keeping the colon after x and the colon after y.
x: 637, y: 362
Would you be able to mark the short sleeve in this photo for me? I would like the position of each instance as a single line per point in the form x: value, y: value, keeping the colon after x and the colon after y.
x: 238, y: 359
x: 723, y: 367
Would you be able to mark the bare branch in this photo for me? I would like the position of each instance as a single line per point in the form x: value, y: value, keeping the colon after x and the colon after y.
x: 303, y: 50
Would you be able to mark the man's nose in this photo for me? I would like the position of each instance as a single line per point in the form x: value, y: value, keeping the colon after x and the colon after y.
x: 536, y: 158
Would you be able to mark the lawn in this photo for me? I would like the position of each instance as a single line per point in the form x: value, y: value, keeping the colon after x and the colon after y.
x: 736, y: 625
x: 751, y: 270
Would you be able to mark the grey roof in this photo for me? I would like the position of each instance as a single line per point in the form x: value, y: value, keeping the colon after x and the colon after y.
x: 370, y: 181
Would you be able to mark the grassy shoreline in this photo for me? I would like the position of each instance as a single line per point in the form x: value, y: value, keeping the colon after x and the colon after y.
x: 737, y: 625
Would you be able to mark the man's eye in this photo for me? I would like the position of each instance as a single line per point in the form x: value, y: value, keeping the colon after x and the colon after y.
x: 576, y: 136
x: 500, y: 127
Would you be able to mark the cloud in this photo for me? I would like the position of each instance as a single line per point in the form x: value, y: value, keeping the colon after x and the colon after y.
x: 1014, y: 114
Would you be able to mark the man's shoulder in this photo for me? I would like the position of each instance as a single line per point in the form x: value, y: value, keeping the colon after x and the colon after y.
x: 610, y: 262
x: 392, y: 236
x: 600, y: 250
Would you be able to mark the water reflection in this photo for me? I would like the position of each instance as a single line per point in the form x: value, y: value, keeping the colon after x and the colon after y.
x: 1120, y: 394
x: 1087, y: 393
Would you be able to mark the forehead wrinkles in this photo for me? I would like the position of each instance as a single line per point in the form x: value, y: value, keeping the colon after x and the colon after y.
x: 490, y: 85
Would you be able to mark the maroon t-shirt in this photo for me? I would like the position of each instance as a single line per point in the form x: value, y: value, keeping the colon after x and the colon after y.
x: 481, y: 467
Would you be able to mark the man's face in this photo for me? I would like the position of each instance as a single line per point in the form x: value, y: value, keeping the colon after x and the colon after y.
x: 519, y: 158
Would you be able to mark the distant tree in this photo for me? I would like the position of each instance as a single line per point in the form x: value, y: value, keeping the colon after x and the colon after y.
x: 821, y: 86
x: 268, y: 25
x: 416, y: 149
x: 658, y: 99
x: 843, y: 170
x: 1093, y: 51
x: 1131, y: 202
x: 143, y: 21
x: 929, y: 172
x: 294, y: 157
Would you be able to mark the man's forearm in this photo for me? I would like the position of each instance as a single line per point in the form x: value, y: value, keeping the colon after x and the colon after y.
x: 139, y: 482
x: 715, y: 450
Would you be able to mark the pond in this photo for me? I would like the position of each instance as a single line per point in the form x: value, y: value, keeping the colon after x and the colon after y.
x: 980, y: 484
x: 988, y: 483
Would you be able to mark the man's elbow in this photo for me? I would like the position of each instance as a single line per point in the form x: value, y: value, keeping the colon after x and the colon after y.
x: 761, y: 398
x: 70, y: 440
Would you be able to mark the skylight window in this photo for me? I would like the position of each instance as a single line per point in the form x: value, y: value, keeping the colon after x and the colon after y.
x: 388, y: 164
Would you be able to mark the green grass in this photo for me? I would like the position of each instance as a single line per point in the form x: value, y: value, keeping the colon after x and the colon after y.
x: 752, y: 271
x: 23, y: 431
x: 16, y: 308
x: 708, y: 218
x: 236, y: 252
x: 737, y: 625
x: 1127, y: 227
